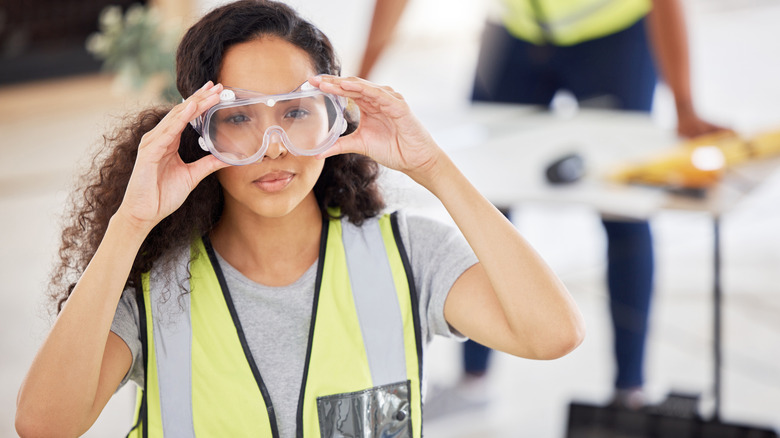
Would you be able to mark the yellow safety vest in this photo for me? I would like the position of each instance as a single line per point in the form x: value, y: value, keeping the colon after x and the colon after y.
x: 568, y: 22
x: 363, y: 366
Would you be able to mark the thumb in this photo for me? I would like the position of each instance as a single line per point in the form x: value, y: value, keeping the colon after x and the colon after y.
x: 204, y: 167
x: 344, y: 145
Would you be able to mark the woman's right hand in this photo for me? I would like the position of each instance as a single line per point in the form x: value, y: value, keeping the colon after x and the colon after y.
x: 161, y: 180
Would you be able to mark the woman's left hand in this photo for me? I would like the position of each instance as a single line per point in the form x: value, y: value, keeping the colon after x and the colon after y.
x: 388, y: 131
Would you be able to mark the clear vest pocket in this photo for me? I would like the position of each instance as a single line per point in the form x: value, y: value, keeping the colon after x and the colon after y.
x: 379, y: 412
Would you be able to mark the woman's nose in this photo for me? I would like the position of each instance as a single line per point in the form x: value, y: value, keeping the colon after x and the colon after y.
x: 276, y: 146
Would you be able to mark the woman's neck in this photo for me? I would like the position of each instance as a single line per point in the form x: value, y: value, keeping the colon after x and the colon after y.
x: 270, y: 251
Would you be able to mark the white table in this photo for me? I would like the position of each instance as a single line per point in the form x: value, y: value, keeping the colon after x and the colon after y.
x: 504, y: 149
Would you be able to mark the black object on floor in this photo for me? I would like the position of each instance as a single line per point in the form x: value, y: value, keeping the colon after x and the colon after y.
x: 676, y: 417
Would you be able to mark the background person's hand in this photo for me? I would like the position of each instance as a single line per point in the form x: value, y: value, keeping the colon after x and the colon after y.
x: 388, y: 131
x: 161, y: 181
x: 690, y: 125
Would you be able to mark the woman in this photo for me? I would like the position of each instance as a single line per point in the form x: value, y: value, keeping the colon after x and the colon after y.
x: 264, y: 294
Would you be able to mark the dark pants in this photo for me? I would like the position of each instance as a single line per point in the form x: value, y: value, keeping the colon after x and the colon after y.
x: 618, y: 68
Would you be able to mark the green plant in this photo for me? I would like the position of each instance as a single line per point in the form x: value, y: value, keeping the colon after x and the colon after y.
x: 137, y: 47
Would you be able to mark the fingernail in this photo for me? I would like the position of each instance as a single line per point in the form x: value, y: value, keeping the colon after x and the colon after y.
x: 206, y: 85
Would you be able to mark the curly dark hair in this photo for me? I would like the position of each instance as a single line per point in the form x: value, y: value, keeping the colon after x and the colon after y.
x: 348, y: 181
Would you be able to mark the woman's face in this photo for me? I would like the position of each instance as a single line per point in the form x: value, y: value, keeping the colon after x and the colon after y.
x: 281, y: 181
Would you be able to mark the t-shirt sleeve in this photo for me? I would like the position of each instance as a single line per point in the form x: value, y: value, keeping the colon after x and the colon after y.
x: 126, y: 325
x: 438, y: 254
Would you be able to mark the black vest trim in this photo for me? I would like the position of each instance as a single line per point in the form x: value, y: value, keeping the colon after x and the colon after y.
x: 241, y: 336
x: 143, y: 415
x: 412, y: 291
x: 317, y: 284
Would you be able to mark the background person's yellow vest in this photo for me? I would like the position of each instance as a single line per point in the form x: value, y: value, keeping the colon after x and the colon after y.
x: 568, y: 22
x: 361, y: 375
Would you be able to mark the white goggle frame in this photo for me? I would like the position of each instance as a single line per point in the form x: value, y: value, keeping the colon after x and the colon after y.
x: 235, y: 97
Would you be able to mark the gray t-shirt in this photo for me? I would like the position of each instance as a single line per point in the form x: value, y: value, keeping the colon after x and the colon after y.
x: 276, y: 320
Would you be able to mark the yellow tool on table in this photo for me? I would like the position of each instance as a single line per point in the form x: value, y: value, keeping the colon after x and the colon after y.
x: 698, y: 163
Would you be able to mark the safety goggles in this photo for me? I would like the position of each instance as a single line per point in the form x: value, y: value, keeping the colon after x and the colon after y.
x: 239, y: 129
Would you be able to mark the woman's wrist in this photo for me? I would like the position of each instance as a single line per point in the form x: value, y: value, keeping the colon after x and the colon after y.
x: 134, y: 230
x: 432, y: 171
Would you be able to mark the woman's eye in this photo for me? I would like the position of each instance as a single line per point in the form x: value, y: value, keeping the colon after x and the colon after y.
x: 296, y: 113
x: 237, y: 119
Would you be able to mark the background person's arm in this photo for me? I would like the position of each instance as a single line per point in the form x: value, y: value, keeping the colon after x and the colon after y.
x: 387, y: 14
x: 669, y: 40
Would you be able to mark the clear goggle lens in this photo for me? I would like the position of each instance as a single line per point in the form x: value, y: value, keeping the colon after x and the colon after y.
x: 240, y: 128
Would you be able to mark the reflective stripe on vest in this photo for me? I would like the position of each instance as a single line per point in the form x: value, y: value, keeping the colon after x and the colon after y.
x: 568, y: 22
x: 201, y: 378
x: 376, y: 302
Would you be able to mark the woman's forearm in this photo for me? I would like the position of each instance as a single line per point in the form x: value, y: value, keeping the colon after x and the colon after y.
x: 540, y: 313
x: 60, y: 388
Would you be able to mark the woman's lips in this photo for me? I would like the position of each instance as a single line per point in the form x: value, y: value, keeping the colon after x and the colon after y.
x: 274, y: 181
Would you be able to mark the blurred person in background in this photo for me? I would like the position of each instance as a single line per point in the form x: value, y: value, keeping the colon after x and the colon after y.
x: 610, y: 52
